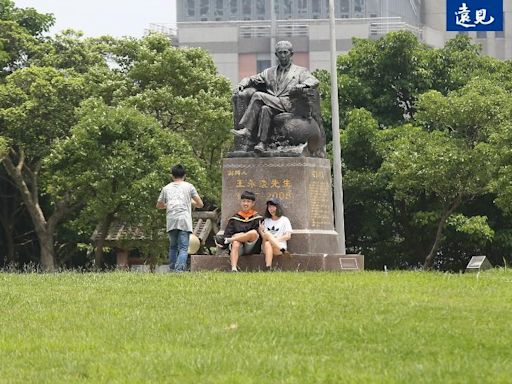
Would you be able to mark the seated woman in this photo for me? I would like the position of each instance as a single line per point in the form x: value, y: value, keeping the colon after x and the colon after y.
x: 275, y: 231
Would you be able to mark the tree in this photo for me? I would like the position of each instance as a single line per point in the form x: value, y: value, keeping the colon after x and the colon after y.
x: 369, y: 208
x: 114, y: 162
x: 387, y: 77
x: 36, y: 108
x: 450, y: 159
x: 39, y: 108
x: 438, y: 166
x: 44, y: 80
x: 30, y: 96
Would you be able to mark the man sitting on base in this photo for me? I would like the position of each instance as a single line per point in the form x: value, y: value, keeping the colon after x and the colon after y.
x: 241, y: 233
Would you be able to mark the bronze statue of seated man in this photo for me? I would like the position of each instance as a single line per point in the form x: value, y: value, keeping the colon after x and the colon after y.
x: 266, y: 104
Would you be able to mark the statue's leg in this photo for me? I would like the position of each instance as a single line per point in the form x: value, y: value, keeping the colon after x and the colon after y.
x: 249, y: 120
x: 266, y: 115
x: 240, y: 102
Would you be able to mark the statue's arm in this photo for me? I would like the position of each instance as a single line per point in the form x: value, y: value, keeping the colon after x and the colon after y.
x: 306, y: 80
x: 252, y: 81
x: 309, y: 80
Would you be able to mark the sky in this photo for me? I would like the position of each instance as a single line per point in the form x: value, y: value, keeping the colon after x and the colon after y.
x: 105, y: 17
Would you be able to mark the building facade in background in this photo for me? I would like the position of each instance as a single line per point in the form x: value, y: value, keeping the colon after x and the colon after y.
x: 250, y: 10
x: 238, y: 33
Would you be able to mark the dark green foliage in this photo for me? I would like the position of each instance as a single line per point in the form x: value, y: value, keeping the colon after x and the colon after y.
x: 426, y: 158
x: 20, y: 35
x: 89, y: 129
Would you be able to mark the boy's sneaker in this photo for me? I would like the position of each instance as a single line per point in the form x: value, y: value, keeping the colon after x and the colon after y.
x: 236, y: 269
x: 267, y: 269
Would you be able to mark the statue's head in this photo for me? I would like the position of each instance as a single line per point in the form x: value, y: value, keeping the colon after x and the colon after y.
x: 284, y: 52
x: 284, y: 44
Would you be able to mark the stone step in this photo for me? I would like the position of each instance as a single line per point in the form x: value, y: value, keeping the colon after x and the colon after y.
x: 295, y: 262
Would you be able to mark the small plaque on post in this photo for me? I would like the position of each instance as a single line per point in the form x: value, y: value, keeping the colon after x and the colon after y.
x: 478, y: 263
x: 348, y: 263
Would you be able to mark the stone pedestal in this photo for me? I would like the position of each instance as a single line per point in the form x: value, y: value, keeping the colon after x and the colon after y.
x: 296, y: 262
x: 303, y: 184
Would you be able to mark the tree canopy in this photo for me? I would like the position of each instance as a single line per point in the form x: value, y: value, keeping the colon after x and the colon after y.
x: 89, y: 128
x: 423, y: 138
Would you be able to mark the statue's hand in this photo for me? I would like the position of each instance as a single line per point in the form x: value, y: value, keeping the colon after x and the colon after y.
x: 297, y: 89
x: 244, y: 83
x: 239, y: 88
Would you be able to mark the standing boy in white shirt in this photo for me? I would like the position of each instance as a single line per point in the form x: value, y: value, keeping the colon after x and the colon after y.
x: 177, y: 198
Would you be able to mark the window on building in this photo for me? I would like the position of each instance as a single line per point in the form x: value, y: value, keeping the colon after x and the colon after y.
x: 287, y: 9
x: 344, y: 7
x: 219, y: 9
x: 315, y: 8
x: 246, y: 9
x: 302, y: 7
x: 191, y: 8
x: 204, y: 9
x: 359, y: 7
x: 260, y: 9
x: 233, y: 9
x: 481, y: 34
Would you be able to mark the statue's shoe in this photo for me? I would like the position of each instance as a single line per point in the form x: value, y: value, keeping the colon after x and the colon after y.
x: 259, y: 148
x: 241, y: 132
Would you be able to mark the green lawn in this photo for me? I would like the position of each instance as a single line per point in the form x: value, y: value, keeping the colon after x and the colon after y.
x: 370, y: 327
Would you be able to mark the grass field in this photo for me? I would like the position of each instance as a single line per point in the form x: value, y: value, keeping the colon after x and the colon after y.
x: 370, y: 327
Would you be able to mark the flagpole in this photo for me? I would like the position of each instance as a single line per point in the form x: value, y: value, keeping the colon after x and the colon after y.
x: 272, y: 33
x: 339, y: 220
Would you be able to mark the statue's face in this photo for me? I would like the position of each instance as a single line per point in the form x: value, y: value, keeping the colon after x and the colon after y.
x: 284, y: 55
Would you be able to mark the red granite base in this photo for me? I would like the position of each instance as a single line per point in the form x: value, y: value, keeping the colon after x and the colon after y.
x: 299, y: 263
